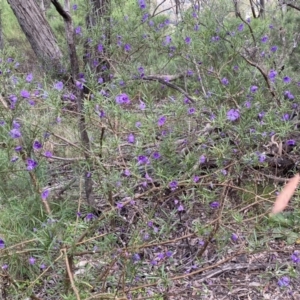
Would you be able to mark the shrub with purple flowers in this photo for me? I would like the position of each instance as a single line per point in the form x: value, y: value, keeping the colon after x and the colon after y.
x: 159, y: 157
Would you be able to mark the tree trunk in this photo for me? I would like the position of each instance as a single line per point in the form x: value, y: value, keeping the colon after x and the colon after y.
x: 38, y: 32
x: 262, y: 8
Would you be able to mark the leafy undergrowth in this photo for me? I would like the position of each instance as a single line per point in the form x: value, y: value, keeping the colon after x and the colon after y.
x: 184, y: 169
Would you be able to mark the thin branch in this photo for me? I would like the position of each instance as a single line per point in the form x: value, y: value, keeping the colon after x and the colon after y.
x: 68, y: 262
x: 66, y: 16
x: 292, y: 6
x: 252, y: 9
x: 165, y: 81
x: 263, y: 73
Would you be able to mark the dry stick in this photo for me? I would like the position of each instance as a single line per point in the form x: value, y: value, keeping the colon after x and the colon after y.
x: 136, y: 247
x: 292, y: 5
x: 189, y: 274
x: 169, y: 84
x: 69, y: 262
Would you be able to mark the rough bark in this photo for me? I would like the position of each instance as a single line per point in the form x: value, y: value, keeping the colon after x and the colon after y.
x: 44, y: 5
x: 38, y: 32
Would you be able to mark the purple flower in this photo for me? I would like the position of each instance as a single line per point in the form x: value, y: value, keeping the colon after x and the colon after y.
x: 122, y: 99
x: 234, y: 237
x: 264, y: 39
x: 187, y: 40
x: 15, y: 133
x: 32, y: 260
x: 42, y: 266
x: 136, y: 257
x: 138, y: 124
x: 58, y: 86
x: 142, y: 4
x: 214, y: 204
x: 233, y: 114
x: 173, y: 185
x: 196, y: 179
x: 291, y: 142
x: 167, y: 40
x: 37, y: 145
x: 79, y: 84
x: 288, y: 95
x: 127, y: 172
x: 253, y: 89
x: 100, y: 80
x: 261, y: 115
x: 273, y: 48
x: 16, y: 125
x: 241, y: 27
x: 196, y: 27
x: 29, y: 77
x: 131, y: 138
x: 120, y: 205
x: 90, y: 217
x: 78, y: 30
x: 31, y: 164
x: 284, y: 281
x: 14, y: 159
x: 127, y: 47
x: 286, y: 79
x: 224, y: 172
x: 142, y: 105
x: 191, y: 110
x: 285, y: 117
x: 156, y: 155
x: 25, y: 94
x: 295, y: 257
x: 161, y: 121
x: 215, y: 38
x: 145, y: 17
x: 142, y: 160
x: 224, y: 81
x: 2, y: 244
x: 45, y: 194
x: 169, y: 253
x: 4, y: 267
x: 261, y: 157
x: 180, y: 208
x: 202, y: 159
x: 272, y: 75
x: 48, y: 154
x: 100, y: 48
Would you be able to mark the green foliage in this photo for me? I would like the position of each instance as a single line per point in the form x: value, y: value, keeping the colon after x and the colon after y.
x: 182, y: 137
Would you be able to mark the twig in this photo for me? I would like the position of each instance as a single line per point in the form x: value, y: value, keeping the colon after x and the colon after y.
x: 263, y: 73
x: 166, y: 82
x: 189, y: 274
x: 68, y: 261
